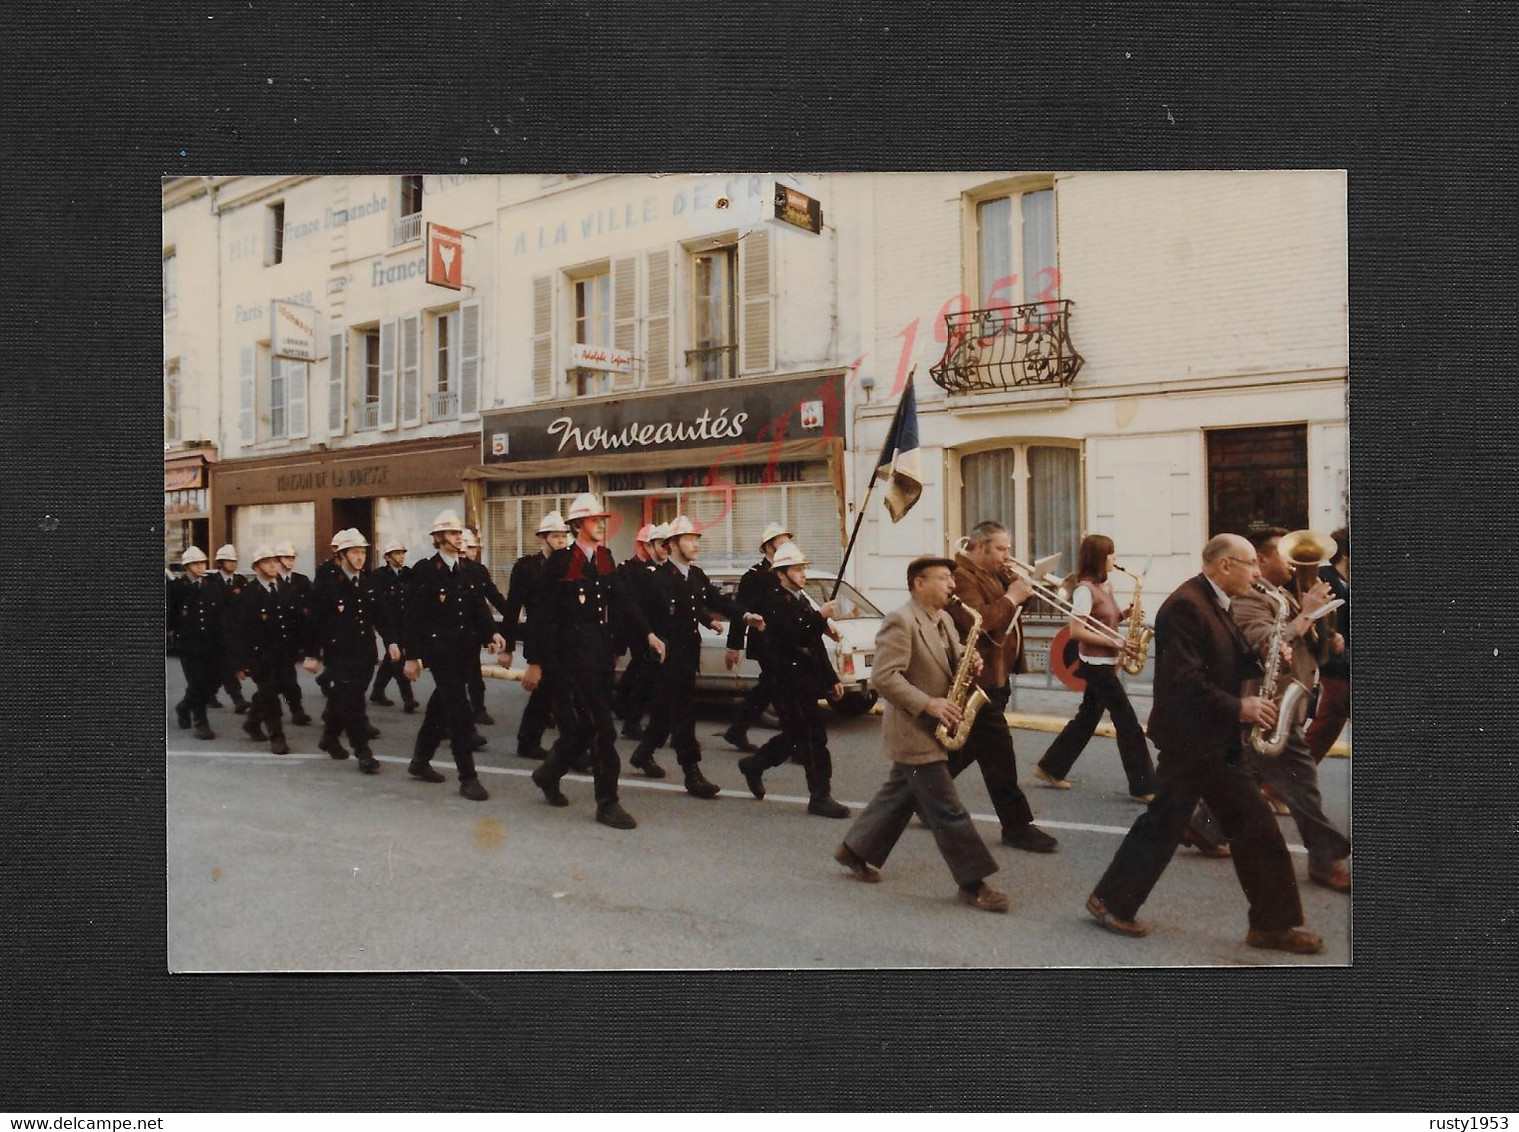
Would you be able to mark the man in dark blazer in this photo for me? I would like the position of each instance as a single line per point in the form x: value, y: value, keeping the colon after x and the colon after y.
x: 390, y: 582
x: 195, y: 622
x: 755, y: 590
x: 554, y: 535
x: 1202, y: 663
x: 263, y: 643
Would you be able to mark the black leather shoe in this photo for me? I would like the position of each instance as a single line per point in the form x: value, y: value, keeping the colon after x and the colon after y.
x: 1189, y: 837
x: 471, y: 789
x: 484, y: 718
x: 383, y: 701
x: 254, y: 731
x: 477, y: 741
x: 1031, y: 839
x: 537, y: 753
x: 278, y: 745
x: 424, y: 771
x: 632, y: 731
x: 739, y: 740
x: 615, y: 816
x: 299, y: 718
x: 333, y: 746
x: 856, y: 864
x: 368, y: 764
x: 410, y: 706
x: 182, y: 717
x: 698, y: 786
x: 824, y: 806
x: 215, y: 702
x: 372, y: 732
x: 754, y: 775
x: 203, y: 731
x: 582, y: 765
x: 650, y: 768
x: 239, y: 707
x: 551, y: 791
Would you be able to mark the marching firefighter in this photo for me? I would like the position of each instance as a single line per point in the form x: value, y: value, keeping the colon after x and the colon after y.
x: 227, y: 587
x: 755, y: 590
x: 390, y: 582
x: 264, y: 642
x: 554, y: 535
x: 194, y: 618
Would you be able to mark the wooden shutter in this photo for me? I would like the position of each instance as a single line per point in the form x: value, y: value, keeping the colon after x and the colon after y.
x: 757, y: 314
x: 625, y: 317
x: 411, y: 369
x: 543, y: 337
x: 658, y: 365
x: 246, y: 396
x: 468, y: 347
x: 297, y: 377
x: 337, y: 384
x: 388, y: 373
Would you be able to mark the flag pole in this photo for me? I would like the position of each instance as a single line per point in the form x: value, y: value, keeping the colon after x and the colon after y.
x: 859, y: 515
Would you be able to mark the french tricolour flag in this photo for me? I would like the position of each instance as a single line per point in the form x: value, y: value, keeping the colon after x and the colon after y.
x: 901, y: 464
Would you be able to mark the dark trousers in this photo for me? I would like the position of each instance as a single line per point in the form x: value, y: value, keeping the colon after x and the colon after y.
x: 268, y: 675
x: 802, y: 735
x: 672, y: 712
x: 345, y: 713
x: 990, y: 746
x: 1293, y: 777
x: 230, y: 683
x: 290, y: 686
x: 201, y: 678
x: 583, y: 706
x: 392, y: 670
x: 475, y: 684
x: 753, y: 706
x: 448, y: 713
x: 1259, y: 853
x: 1104, y: 693
x: 636, y: 685
x: 536, y: 716
x: 925, y: 787
x: 1330, y: 716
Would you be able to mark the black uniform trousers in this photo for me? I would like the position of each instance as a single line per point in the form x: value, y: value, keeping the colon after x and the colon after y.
x: 672, y: 713
x: 582, y: 700
x: 990, y: 746
x: 765, y: 692
x: 448, y: 713
x: 345, y: 712
x: 229, y: 681
x: 536, y: 716
x: 636, y: 687
x: 202, y: 669
x: 290, y: 687
x: 1104, y: 693
x: 475, y: 685
x: 392, y: 670
x: 269, y: 675
x: 802, y: 735
x: 1259, y: 853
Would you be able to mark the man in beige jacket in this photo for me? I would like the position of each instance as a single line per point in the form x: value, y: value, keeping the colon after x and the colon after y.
x: 917, y: 651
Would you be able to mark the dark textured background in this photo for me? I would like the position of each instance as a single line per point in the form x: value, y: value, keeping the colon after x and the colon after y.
x: 1416, y: 100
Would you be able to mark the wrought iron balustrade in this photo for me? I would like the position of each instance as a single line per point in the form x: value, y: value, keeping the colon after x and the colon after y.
x: 1008, y: 348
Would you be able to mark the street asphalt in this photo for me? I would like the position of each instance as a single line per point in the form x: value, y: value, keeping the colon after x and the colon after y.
x: 300, y: 863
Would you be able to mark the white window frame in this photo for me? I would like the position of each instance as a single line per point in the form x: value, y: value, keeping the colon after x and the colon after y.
x: 367, y: 416
x: 1023, y: 291
x: 275, y: 230
x: 727, y: 247
x: 1019, y: 523
x: 289, y: 379
x: 446, y: 352
x: 588, y: 382
x: 408, y: 225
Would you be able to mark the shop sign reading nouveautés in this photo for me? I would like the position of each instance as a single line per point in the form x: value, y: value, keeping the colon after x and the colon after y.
x: 727, y: 415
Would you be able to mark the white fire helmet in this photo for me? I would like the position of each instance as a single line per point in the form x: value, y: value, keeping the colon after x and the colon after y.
x: 226, y: 553
x: 349, y: 540
x: 192, y: 554
x: 774, y: 531
x: 553, y: 524
x: 788, y: 554
x: 394, y: 543
x: 264, y: 551
x: 681, y: 525
x: 585, y: 506
x: 446, y: 521
x: 643, y: 533
x: 285, y: 549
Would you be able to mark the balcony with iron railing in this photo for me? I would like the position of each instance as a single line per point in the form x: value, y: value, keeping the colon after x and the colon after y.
x: 713, y: 363
x: 1008, y: 348
x: 445, y: 405
x: 406, y: 228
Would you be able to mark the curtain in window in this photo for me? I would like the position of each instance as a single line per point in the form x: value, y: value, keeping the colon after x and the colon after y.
x: 1039, y: 279
x: 989, y: 486
x: 1055, y: 504
x: 995, y: 250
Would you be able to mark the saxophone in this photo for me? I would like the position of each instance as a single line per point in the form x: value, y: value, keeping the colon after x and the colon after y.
x: 963, y: 693
x: 1140, y: 634
x: 1292, y: 707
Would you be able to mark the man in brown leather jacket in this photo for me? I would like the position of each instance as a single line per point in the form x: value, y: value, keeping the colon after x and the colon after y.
x: 980, y: 586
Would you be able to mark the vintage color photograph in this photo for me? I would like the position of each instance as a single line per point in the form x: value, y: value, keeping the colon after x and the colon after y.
x: 756, y: 570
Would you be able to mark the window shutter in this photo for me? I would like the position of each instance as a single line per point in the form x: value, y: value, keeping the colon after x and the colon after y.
x: 543, y: 337
x: 411, y: 369
x: 625, y: 317
x: 388, y: 374
x: 245, y: 396
x: 758, y: 313
x: 337, y: 385
x: 657, y: 350
x: 297, y: 376
x: 469, y: 359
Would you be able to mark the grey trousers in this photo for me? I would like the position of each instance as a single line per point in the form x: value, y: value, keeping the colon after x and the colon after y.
x: 908, y: 787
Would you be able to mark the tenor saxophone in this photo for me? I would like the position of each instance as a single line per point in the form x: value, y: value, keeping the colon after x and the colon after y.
x: 964, y: 692
x: 1140, y: 634
x: 1292, y: 707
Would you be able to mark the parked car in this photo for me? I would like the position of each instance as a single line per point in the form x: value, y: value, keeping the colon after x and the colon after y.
x: 852, y: 654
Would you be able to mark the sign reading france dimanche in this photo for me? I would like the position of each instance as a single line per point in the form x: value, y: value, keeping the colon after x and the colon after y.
x: 720, y: 415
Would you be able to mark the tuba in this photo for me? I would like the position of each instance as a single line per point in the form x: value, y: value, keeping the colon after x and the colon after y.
x: 1305, y: 551
x: 1292, y: 704
x: 963, y: 693
x: 1140, y: 635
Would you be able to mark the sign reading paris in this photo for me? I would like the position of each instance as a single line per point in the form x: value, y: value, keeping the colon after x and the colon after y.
x: 445, y: 256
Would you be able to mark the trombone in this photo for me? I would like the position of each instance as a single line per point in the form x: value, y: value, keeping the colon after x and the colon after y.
x: 1013, y: 569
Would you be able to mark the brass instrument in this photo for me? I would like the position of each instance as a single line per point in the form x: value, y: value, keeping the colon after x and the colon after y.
x: 1140, y: 635
x: 1292, y: 707
x: 1053, y: 595
x: 1305, y: 551
x: 964, y: 693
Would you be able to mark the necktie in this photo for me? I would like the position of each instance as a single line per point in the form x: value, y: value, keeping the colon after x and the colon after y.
x: 949, y: 648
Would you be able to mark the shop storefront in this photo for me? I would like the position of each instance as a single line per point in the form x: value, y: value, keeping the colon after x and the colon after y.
x: 734, y: 456
x: 383, y: 490
x: 187, y: 509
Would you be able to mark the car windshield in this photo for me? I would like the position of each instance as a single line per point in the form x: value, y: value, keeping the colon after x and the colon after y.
x: 853, y: 603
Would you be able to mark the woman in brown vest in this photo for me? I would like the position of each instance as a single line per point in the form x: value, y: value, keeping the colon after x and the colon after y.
x: 1100, y: 657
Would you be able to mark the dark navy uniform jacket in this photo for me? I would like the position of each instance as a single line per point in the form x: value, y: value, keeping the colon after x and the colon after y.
x: 390, y: 590
x: 798, y: 653
x: 754, y: 592
x: 635, y: 575
x: 519, y: 594
x: 445, y: 615
x: 194, y: 615
x: 570, y: 617
x: 265, y: 625
x: 342, y: 618
x: 680, y: 600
